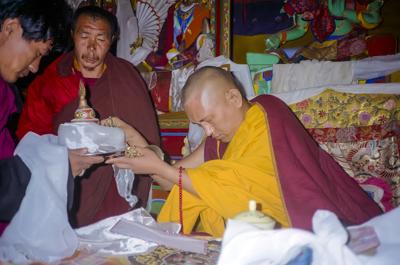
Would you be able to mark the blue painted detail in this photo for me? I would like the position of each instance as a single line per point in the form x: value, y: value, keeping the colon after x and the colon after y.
x: 173, y: 134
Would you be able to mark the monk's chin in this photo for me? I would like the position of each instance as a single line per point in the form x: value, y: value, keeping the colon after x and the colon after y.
x: 89, y: 68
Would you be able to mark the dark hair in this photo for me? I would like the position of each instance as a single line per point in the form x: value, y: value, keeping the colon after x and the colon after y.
x: 211, y: 71
x: 97, y: 12
x: 40, y: 20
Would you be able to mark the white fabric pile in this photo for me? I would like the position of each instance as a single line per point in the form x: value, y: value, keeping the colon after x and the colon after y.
x: 40, y: 230
x: 98, y: 239
x: 247, y: 244
x: 313, y: 73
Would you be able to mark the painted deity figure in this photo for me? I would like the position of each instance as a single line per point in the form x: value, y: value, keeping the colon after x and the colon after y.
x: 332, y: 23
x: 190, y: 32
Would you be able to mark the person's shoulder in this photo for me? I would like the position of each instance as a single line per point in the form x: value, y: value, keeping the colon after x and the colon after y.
x: 121, y: 62
x: 52, y: 69
x: 122, y: 67
x: 262, y: 97
x: 48, y: 77
x: 268, y: 101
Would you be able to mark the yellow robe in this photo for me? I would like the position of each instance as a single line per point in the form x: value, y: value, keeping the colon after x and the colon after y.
x: 245, y: 172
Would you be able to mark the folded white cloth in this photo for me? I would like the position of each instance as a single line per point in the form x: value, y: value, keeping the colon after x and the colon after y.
x: 247, y: 244
x: 377, y: 66
x: 99, y: 239
x: 290, y: 77
x: 313, y: 73
x: 40, y: 230
x: 378, y: 88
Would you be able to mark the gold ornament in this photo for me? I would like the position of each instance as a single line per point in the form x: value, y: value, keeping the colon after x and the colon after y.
x: 132, y: 152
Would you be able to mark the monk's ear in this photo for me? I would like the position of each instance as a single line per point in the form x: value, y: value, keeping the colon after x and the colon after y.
x: 234, y: 97
x: 10, y: 25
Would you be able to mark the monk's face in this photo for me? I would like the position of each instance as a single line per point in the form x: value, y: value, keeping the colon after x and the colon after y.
x: 18, y: 56
x: 92, y: 40
x: 217, y: 109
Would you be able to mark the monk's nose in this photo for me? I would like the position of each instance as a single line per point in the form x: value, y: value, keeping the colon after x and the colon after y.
x: 92, y: 45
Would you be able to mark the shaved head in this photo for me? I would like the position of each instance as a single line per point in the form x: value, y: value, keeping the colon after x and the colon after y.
x: 198, y: 83
x: 213, y: 98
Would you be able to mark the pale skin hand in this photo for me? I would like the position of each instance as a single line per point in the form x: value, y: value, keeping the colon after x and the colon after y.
x: 79, y: 162
x: 151, y: 164
x: 195, y: 159
x: 134, y: 138
x: 165, y: 174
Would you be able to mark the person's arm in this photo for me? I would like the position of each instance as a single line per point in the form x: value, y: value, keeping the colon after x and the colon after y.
x: 164, y: 178
x: 132, y: 136
x: 193, y: 160
x: 149, y: 163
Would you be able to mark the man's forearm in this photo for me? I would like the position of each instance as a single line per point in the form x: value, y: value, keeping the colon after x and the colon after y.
x: 171, y: 174
x: 164, y: 184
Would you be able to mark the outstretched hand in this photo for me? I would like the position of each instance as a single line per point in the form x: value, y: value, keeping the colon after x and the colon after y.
x: 79, y: 162
x: 133, y: 137
x: 146, y: 161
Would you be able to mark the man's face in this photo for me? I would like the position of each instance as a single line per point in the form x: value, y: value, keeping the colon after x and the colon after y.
x: 92, y: 41
x: 18, y: 55
x: 215, y: 113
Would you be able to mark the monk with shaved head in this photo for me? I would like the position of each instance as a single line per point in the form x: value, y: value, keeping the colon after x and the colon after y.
x: 254, y: 150
x: 212, y: 99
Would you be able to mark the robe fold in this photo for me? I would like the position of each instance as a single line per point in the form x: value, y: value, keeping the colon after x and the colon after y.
x: 7, y: 107
x: 273, y: 160
x: 53, y: 98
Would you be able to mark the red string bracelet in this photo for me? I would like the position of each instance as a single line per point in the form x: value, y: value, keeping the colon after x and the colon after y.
x: 180, y: 198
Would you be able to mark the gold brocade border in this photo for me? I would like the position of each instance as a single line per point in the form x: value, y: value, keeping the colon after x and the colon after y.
x: 223, y: 28
x: 173, y: 120
x: 225, y: 48
x: 213, y: 21
x: 174, y: 124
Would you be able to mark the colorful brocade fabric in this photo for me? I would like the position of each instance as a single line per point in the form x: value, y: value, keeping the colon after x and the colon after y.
x: 362, y: 133
x: 332, y: 109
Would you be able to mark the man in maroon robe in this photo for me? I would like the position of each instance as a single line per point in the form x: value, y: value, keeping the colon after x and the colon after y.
x: 115, y: 88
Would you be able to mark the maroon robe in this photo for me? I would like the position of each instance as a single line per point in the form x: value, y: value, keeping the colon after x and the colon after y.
x: 119, y: 92
x: 309, y: 178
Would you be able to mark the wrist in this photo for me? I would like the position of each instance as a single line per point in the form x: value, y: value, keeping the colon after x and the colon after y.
x: 134, y: 140
x: 156, y: 149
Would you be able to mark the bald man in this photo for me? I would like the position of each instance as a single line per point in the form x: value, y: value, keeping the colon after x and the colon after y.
x: 253, y: 150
